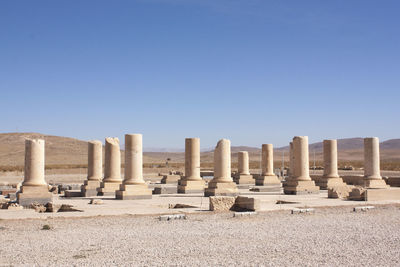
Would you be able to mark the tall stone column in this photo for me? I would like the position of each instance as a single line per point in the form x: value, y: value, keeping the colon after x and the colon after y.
x: 301, y: 182
x: 191, y: 182
x: 134, y: 186
x: 268, y: 176
x: 95, y: 169
x: 243, y: 175
x: 34, y: 187
x: 222, y: 183
x: 372, y: 172
x: 112, y: 168
x: 291, y: 161
x: 331, y: 176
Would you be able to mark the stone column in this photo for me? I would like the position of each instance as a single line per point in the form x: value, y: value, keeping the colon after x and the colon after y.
x: 191, y: 182
x: 268, y: 176
x: 134, y: 186
x: 112, y: 168
x: 34, y: 187
x: 34, y: 163
x: 133, y: 159
x: 243, y: 175
x: 95, y: 169
x: 301, y: 182
x: 291, y: 161
x: 222, y: 183
x: 243, y: 162
x: 372, y: 173
x: 330, y: 177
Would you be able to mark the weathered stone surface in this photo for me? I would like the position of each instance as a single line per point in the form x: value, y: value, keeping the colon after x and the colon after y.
x: 341, y: 192
x: 170, y: 179
x: 38, y: 207
x: 221, y: 203
x: 267, y: 176
x: 73, y: 193
x: 372, y: 172
x: 305, y: 210
x: 14, y: 206
x: 246, y: 203
x: 51, y: 207
x: 68, y: 208
x: 172, y: 217
x: 96, y: 202
x: 165, y: 190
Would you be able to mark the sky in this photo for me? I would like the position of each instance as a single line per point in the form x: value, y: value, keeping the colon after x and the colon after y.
x: 252, y: 71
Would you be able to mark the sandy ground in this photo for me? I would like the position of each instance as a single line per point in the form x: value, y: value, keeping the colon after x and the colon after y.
x: 329, y: 237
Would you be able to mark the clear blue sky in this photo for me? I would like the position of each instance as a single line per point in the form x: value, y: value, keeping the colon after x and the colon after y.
x: 253, y: 71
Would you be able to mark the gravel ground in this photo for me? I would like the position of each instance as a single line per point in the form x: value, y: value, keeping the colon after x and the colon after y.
x: 330, y: 237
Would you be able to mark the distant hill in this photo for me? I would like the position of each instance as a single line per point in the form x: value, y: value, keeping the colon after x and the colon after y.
x: 70, y: 151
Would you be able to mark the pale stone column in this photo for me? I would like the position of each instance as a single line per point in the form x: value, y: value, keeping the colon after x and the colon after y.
x: 191, y: 182
x: 192, y: 159
x: 267, y: 159
x: 95, y: 160
x: 112, y: 168
x: 133, y: 186
x: 222, y: 183
x: 330, y: 177
x: 330, y: 159
x: 34, y: 163
x: 267, y: 176
x: 300, y: 181
x: 243, y: 163
x: 291, y: 161
x: 371, y: 159
x: 372, y: 172
x: 34, y: 188
x: 302, y: 164
x: 133, y: 159
x: 222, y: 161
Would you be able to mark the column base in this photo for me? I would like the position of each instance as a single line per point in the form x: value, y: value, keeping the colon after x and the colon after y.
x: 108, y: 188
x: 89, y: 188
x: 189, y: 187
x: 268, y: 180
x: 34, y: 194
x: 329, y: 182
x: 294, y: 187
x: 133, y: 191
x: 170, y: 179
x: 221, y: 189
x: 243, y: 178
x: 375, y: 184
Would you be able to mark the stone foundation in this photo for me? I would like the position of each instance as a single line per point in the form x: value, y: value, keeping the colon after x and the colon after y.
x: 243, y: 178
x: 89, y: 188
x: 221, y: 189
x: 108, y: 189
x: 34, y: 194
x: 189, y: 187
x: 295, y: 187
x: 133, y: 191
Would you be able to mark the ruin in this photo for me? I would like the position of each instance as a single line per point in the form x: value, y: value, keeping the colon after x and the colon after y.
x: 34, y: 188
x: 95, y: 169
x: 222, y: 184
x: 133, y: 186
x: 191, y: 182
x: 331, y: 176
x: 299, y: 182
x: 267, y: 176
x: 112, y: 168
x: 372, y: 172
x: 243, y: 175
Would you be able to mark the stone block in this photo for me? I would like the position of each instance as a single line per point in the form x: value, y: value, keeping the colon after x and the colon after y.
x: 302, y: 210
x: 244, y: 214
x: 221, y: 203
x: 243, y: 179
x: 51, y: 207
x: 133, y: 191
x: 341, y: 192
x: 247, y: 203
x: 295, y: 187
x: 108, y: 188
x: 363, y: 208
x: 191, y: 187
x: 14, y: 206
x: 73, y: 193
x: 170, y: 179
x: 268, y: 180
x: 165, y: 190
x: 267, y: 189
x: 89, y: 188
x: 221, y: 189
x: 34, y: 194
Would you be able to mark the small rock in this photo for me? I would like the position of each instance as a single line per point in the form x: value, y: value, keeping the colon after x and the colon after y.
x: 173, y: 217
x: 68, y: 208
x: 221, y: 203
x: 306, y: 210
x: 363, y: 208
x: 96, y: 202
x: 243, y: 214
x: 51, y: 207
x: 38, y: 207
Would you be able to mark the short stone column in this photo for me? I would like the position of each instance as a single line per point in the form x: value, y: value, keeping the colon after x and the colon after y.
x: 331, y: 176
x: 95, y: 169
x: 222, y: 183
x: 112, y: 168
x: 133, y: 186
x: 191, y: 182
x: 267, y: 176
x: 372, y: 172
x: 301, y: 182
x: 243, y: 175
x: 34, y: 187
